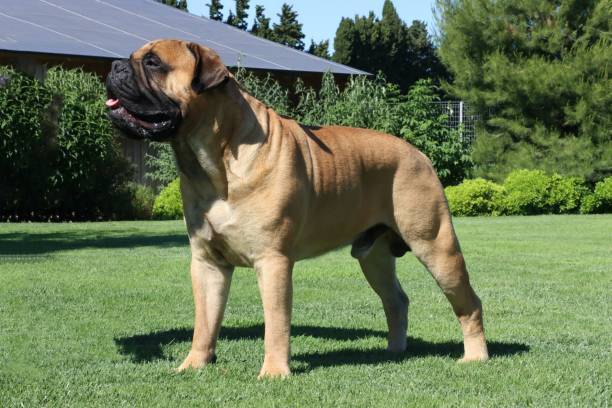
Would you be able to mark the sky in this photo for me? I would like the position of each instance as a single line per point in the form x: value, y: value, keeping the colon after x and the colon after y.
x: 320, y: 18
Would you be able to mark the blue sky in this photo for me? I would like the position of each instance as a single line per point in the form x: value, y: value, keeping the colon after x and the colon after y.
x: 320, y: 18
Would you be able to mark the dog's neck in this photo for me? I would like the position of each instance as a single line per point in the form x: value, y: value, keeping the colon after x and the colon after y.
x: 222, y: 140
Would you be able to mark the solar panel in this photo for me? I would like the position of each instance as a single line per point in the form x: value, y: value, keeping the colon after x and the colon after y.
x: 115, y: 28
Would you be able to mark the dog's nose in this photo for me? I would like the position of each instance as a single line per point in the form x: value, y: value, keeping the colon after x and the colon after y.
x: 119, y: 66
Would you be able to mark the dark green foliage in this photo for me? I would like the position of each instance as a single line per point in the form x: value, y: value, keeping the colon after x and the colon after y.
x: 372, y: 104
x: 59, y: 158
x: 142, y: 199
x: 475, y: 197
x: 426, y: 128
x: 179, y: 4
x: 214, y: 10
x: 266, y: 89
x: 169, y: 204
x: 540, y: 69
x: 289, y: 31
x: 161, y: 163
x: 600, y: 201
x: 403, y: 53
x: 261, y: 25
x: 239, y: 19
x: 320, y: 49
x: 26, y: 152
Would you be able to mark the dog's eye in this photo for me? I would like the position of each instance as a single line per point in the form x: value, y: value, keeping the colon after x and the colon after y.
x: 151, y: 61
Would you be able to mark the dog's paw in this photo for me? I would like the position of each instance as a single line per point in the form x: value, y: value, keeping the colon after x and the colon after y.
x: 473, y: 358
x: 196, y: 359
x: 274, y: 371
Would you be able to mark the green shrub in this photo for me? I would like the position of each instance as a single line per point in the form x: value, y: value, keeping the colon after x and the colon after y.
x: 427, y: 129
x: 168, y: 204
x: 474, y: 197
x: 532, y: 192
x: 142, y: 200
x: 161, y: 163
x: 565, y: 194
x: 59, y: 158
x: 527, y: 193
x: 600, y: 201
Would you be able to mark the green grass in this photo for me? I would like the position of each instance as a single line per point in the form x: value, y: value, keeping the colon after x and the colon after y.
x: 98, y: 314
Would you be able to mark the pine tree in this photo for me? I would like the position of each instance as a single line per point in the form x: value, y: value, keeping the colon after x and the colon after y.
x: 289, y: 31
x: 179, y: 4
x: 345, y: 41
x: 214, y: 10
x: 239, y: 19
x: 261, y: 25
x: 540, y: 70
x: 404, y: 54
x: 320, y: 49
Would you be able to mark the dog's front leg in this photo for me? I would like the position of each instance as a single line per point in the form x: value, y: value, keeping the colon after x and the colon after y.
x: 276, y: 288
x: 211, y: 284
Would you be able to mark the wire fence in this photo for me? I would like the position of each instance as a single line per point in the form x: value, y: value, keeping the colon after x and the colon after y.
x: 461, y: 116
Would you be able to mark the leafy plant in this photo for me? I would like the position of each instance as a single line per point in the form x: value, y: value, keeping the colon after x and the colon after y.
x: 168, y: 204
x: 161, y: 163
x: 565, y: 194
x: 58, y: 155
x: 534, y: 192
x: 600, y: 201
x: 426, y: 128
x: 475, y: 197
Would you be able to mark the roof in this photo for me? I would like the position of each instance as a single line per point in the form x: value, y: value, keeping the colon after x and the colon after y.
x: 112, y: 29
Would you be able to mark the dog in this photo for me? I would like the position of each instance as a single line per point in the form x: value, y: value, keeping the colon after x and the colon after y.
x: 263, y: 191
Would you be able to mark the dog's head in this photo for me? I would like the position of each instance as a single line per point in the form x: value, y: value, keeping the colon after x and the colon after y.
x: 150, y: 93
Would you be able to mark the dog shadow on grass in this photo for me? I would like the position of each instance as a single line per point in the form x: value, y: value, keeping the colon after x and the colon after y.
x: 20, y: 244
x: 149, y: 347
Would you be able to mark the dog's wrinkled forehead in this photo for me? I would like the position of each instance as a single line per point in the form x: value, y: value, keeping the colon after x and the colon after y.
x: 173, y: 53
x: 187, y: 65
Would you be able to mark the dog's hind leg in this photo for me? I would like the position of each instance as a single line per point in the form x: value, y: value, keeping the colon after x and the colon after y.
x: 434, y: 243
x: 378, y: 266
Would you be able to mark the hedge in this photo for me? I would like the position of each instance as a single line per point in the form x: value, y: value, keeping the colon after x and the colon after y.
x: 600, y: 201
x: 529, y: 192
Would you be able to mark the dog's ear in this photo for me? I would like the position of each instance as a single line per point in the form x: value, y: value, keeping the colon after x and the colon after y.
x: 209, y: 71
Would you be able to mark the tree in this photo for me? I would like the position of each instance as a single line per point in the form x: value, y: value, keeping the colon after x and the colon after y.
x: 540, y: 69
x: 404, y: 54
x: 289, y: 31
x: 214, y: 10
x: 179, y: 4
x: 239, y: 19
x: 320, y: 49
x: 261, y: 25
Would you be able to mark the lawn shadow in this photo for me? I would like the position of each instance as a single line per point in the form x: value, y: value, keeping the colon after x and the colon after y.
x: 16, y: 244
x: 149, y: 347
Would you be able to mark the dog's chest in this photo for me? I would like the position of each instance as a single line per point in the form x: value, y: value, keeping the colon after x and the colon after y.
x: 224, y: 231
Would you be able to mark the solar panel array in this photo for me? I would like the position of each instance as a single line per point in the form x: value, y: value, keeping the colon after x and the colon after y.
x: 114, y: 28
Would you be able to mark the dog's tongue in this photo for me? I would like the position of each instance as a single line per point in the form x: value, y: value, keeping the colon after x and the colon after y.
x: 113, y: 103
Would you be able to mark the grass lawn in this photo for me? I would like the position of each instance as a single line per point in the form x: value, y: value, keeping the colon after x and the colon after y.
x: 100, y: 313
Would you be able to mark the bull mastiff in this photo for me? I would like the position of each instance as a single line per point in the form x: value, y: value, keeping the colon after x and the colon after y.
x: 263, y: 191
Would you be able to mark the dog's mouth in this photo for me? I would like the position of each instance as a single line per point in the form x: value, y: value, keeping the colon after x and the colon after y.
x: 156, y: 126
